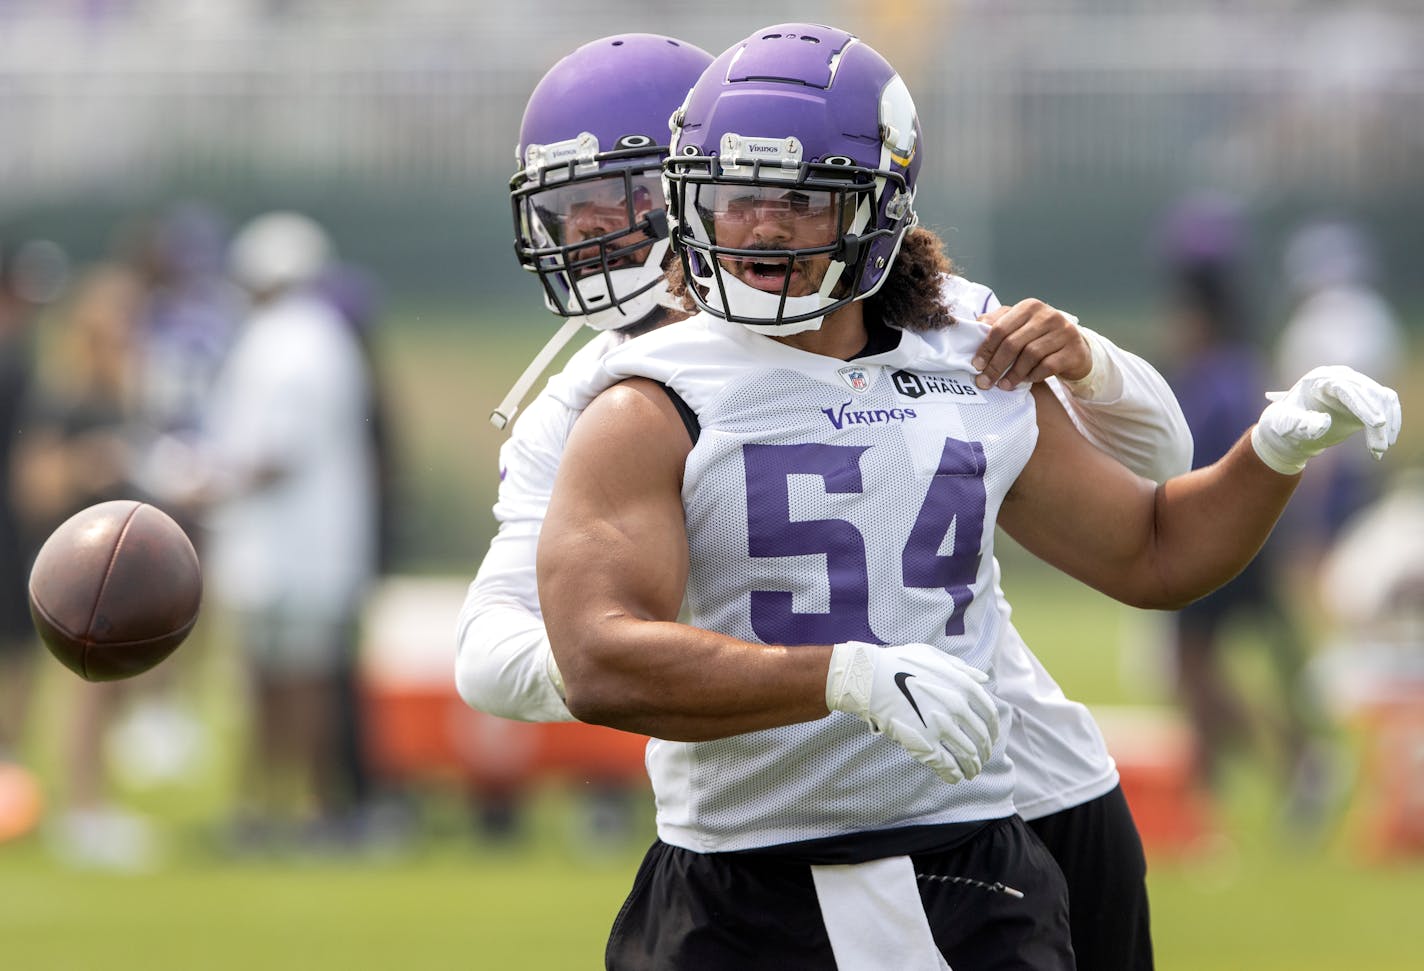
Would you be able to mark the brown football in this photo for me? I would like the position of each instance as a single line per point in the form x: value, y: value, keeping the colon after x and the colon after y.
x: 115, y: 589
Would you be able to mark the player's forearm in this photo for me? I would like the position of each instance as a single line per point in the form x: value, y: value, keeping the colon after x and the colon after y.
x: 1154, y: 547
x: 1219, y: 517
x: 676, y: 682
x: 503, y: 664
x: 1210, y: 523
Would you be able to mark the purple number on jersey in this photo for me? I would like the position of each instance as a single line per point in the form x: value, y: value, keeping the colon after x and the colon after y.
x: 955, y: 500
x: 771, y: 532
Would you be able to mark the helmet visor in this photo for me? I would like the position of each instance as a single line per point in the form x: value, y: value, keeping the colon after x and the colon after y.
x: 596, y: 241
x: 792, y: 216
x: 580, y: 214
x: 777, y: 238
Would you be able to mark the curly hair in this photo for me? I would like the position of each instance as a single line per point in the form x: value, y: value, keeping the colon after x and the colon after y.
x: 676, y: 278
x: 910, y: 297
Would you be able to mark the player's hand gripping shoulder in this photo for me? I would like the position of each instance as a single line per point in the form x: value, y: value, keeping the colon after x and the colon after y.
x: 1324, y: 408
x: 930, y: 702
x: 1117, y: 400
x: 1031, y: 341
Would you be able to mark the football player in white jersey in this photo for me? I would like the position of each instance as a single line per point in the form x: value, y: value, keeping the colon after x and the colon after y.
x: 810, y: 463
x: 618, y: 91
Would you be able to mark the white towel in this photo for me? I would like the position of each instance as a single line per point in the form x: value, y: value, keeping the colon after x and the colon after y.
x: 875, y: 918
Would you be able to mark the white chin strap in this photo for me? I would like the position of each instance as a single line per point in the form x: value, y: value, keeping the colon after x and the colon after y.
x: 594, y: 291
x: 749, y: 302
x: 504, y: 413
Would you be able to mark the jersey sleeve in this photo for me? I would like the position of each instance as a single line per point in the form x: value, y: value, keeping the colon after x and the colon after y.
x: 1126, y: 409
x: 503, y: 662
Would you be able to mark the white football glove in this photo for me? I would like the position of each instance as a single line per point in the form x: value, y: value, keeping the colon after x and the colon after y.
x: 1323, y: 408
x: 930, y: 702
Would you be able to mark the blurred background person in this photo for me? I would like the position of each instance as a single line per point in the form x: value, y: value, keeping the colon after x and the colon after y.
x: 356, y: 295
x: 1331, y: 271
x: 1220, y: 377
x: 76, y: 450
x: 1372, y: 588
x: 291, y: 496
x: 189, y: 315
x: 17, y: 636
x: 32, y: 273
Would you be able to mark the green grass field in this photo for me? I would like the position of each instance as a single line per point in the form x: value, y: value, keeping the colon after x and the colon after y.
x: 458, y: 907
x: 1254, y: 899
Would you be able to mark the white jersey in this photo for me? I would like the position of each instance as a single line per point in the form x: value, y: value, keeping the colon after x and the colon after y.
x: 830, y: 501
x: 1059, y: 756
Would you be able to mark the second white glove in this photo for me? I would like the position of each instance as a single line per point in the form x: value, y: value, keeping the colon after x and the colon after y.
x: 931, y: 703
x: 1321, y: 409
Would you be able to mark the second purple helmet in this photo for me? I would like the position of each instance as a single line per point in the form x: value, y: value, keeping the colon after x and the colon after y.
x: 587, y: 196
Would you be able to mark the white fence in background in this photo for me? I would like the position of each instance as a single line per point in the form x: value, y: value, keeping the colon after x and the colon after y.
x: 1269, y: 94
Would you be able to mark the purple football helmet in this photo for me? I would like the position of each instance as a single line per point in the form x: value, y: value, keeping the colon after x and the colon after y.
x: 791, y: 177
x: 589, y: 214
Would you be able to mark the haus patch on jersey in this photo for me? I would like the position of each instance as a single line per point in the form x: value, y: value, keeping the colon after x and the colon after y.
x: 917, y: 386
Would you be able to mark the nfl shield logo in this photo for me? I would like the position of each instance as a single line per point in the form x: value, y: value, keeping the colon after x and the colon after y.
x: 856, y: 377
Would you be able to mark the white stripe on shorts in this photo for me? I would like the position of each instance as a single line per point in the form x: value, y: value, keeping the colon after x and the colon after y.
x: 875, y: 918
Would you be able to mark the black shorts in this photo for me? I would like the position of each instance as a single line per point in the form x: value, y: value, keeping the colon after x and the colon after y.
x: 1100, y: 853
x: 714, y: 911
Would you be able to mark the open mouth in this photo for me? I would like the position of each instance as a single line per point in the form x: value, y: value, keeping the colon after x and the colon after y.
x: 770, y: 275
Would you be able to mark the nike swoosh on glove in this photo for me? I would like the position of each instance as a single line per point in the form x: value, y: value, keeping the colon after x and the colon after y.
x: 1322, y: 409
x: 930, y: 702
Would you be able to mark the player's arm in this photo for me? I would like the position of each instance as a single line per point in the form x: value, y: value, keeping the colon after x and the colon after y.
x: 503, y: 663
x: 613, y: 564
x: 1164, y: 546
x: 612, y: 568
x: 1117, y: 400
